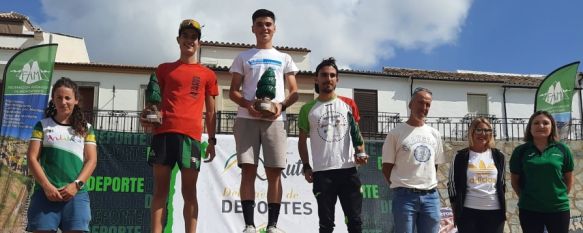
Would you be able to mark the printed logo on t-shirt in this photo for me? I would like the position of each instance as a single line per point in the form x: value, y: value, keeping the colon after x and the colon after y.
x: 52, y: 136
x: 482, y: 172
x: 264, y: 61
x: 422, y: 152
x: 195, y: 86
x: 423, y: 147
x: 332, y: 126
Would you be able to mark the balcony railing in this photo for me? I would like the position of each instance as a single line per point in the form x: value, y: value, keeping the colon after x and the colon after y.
x: 374, y: 126
x: 121, y: 121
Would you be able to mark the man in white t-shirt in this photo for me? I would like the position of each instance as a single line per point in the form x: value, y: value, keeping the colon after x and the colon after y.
x: 330, y: 124
x: 411, y: 153
x: 252, y: 129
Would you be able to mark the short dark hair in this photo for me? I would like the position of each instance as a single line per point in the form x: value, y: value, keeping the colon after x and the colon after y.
x: 326, y: 62
x: 262, y: 13
x: 553, y: 137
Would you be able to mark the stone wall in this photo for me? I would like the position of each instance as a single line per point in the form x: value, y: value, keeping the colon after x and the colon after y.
x: 512, y: 223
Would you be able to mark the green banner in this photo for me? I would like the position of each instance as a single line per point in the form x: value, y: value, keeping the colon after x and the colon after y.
x: 555, y: 93
x: 376, y: 195
x: 120, y: 188
x: 27, y: 80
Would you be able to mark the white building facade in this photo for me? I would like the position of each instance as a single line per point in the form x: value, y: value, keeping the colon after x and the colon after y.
x: 118, y: 87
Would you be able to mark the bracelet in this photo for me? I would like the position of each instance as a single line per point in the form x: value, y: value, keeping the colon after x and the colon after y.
x: 361, y: 155
x: 283, y: 106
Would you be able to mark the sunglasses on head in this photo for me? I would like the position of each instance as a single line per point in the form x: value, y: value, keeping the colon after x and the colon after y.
x: 190, y: 23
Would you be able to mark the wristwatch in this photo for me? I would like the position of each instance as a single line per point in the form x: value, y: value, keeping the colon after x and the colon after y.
x: 212, y: 141
x: 80, y: 184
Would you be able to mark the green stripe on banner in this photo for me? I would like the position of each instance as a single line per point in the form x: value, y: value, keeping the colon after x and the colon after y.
x: 169, y: 202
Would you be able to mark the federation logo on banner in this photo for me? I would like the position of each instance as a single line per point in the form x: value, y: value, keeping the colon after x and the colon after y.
x: 555, y: 93
x: 31, y: 73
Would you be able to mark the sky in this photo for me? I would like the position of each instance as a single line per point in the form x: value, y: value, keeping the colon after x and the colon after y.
x: 506, y: 36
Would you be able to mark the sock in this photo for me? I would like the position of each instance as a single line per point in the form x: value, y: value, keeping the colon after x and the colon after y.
x: 273, y: 213
x: 248, y: 211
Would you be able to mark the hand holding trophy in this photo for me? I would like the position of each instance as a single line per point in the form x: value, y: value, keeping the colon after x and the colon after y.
x: 265, y: 93
x: 153, y: 98
x: 357, y: 141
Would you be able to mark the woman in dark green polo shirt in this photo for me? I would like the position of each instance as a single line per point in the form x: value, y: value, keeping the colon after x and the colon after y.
x: 542, y: 176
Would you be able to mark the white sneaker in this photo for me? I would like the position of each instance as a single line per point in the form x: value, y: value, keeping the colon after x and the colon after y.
x: 272, y: 229
x: 249, y: 229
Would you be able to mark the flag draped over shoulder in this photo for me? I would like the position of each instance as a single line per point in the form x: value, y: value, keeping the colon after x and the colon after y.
x: 27, y: 80
x: 555, y: 93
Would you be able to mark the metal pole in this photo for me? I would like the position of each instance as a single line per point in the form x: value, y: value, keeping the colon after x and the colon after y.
x: 505, y: 114
x: 580, y: 105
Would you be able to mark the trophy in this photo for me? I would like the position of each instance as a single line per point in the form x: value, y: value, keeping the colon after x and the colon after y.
x: 153, y: 98
x: 265, y: 93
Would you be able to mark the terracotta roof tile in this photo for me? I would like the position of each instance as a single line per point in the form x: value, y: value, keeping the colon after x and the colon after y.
x: 507, y: 79
x: 9, y: 48
x: 243, y: 45
x: 104, y: 67
x: 364, y: 72
x: 14, y: 16
x: 123, y: 66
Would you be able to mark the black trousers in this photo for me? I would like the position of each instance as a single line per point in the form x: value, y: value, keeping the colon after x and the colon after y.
x: 342, y: 184
x: 535, y: 222
x: 481, y: 221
